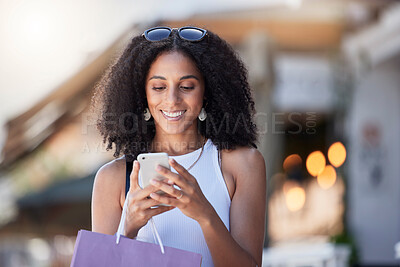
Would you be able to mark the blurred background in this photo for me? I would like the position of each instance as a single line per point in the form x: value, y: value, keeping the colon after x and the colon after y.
x: 325, y: 77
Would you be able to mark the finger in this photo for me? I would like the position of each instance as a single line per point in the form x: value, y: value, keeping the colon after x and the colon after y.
x: 182, y: 171
x: 145, y: 192
x: 167, y: 200
x: 159, y: 210
x: 134, y: 176
x: 175, y: 178
x: 148, y: 203
x: 167, y: 188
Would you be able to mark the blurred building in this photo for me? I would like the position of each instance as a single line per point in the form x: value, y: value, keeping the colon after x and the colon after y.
x: 48, y: 163
x: 372, y: 129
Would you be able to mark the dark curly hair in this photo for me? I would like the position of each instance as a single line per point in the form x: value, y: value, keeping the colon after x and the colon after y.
x: 120, y: 98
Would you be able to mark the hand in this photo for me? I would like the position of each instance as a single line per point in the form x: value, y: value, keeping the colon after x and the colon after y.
x: 139, y: 205
x: 190, y: 199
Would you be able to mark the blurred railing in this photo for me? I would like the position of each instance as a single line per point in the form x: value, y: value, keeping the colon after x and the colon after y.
x: 310, y: 255
x: 26, y: 251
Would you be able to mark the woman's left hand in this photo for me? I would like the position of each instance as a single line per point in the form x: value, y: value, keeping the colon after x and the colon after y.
x: 190, y: 199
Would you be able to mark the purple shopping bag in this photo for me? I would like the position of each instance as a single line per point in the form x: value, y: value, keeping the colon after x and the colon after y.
x: 101, y: 250
x: 97, y: 250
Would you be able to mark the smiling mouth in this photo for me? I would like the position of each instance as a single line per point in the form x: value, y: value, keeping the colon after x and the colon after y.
x: 175, y: 115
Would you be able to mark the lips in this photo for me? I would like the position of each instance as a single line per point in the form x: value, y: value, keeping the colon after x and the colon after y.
x: 173, y: 115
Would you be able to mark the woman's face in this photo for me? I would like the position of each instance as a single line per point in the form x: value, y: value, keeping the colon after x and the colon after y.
x: 175, y: 92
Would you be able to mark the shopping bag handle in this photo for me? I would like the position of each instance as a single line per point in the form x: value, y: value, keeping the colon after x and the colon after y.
x: 121, y: 226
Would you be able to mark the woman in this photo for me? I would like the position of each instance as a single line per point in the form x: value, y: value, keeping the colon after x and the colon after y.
x: 184, y: 92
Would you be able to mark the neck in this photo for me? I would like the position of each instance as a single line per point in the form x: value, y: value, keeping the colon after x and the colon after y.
x: 176, y: 145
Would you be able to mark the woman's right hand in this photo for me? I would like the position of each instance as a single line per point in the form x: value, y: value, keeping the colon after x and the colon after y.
x: 139, y: 204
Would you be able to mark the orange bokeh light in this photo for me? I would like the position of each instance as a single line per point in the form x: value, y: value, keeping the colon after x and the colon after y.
x: 289, y: 184
x: 327, y: 178
x: 337, y: 154
x: 315, y: 163
x: 295, y: 198
x: 291, y: 161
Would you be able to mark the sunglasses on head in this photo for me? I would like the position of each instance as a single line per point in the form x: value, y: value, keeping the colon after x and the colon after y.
x: 188, y: 33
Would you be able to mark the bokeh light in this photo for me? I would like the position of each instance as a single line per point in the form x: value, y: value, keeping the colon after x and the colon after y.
x: 39, y: 249
x: 289, y: 184
x: 295, y: 198
x: 337, y: 154
x: 327, y: 178
x: 315, y: 163
x: 292, y: 161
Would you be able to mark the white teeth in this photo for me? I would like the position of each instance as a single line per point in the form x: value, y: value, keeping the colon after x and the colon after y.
x: 174, y: 114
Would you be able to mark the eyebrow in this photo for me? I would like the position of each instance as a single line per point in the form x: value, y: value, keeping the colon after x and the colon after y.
x: 182, y: 78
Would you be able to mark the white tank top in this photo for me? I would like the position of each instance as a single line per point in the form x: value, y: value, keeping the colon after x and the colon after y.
x: 176, y: 229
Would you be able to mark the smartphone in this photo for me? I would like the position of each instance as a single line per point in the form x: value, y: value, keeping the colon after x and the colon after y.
x: 148, y: 163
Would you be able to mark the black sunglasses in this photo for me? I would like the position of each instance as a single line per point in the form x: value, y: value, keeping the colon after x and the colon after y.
x: 188, y: 33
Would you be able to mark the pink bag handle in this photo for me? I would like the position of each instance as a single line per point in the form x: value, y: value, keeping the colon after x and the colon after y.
x: 121, y: 227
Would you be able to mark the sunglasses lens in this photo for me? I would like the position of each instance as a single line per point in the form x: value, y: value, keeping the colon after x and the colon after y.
x: 157, y: 34
x: 191, y: 34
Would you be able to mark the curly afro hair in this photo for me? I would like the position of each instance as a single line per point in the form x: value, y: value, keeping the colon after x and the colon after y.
x: 120, y: 99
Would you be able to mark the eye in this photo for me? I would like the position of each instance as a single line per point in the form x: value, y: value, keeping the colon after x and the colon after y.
x: 187, y: 87
x: 158, y: 88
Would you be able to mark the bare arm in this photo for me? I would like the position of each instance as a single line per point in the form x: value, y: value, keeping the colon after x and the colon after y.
x: 243, y: 245
x: 106, y: 202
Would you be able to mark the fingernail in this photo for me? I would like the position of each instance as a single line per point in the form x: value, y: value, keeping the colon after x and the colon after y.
x: 158, y: 168
x: 154, y: 182
x: 170, y: 182
x: 152, y: 195
x: 171, y: 160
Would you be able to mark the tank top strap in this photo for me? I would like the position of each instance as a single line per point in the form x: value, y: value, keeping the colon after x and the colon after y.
x: 215, y: 153
x: 129, y: 167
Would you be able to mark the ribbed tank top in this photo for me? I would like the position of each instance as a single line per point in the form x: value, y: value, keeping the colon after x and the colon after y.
x: 176, y: 229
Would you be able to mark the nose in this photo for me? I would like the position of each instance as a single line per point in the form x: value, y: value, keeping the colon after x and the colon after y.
x: 172, y: 96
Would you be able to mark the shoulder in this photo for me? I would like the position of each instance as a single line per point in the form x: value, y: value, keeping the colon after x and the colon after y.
x: 243, y: 167
x: 246, y: 153
x: 110, y: 177
x: 243, y: 160
x: 111, y: 168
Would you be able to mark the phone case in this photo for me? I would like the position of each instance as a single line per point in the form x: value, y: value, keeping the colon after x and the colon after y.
x: 148, y: 163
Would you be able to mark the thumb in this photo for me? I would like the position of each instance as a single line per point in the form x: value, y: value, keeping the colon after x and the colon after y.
x: 134, y: 176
